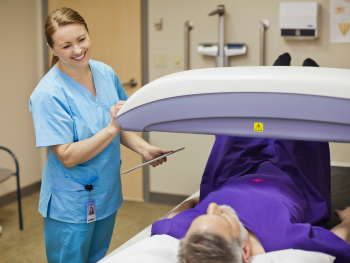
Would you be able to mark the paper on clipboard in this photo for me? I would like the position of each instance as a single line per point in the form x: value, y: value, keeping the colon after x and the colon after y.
x: 155, y: 159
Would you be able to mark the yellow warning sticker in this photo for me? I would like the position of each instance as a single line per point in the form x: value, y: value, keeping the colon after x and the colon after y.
x: 258, y: 127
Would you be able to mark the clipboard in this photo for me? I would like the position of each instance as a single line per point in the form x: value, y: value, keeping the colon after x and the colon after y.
x: 155, y: 159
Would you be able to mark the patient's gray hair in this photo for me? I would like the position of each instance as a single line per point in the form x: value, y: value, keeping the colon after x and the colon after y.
x: 208, y: 247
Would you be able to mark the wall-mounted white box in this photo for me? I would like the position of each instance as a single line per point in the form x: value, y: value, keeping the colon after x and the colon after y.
x: 299, y: 20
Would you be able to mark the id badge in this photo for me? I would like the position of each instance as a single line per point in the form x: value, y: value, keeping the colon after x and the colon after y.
x: 91, y: 211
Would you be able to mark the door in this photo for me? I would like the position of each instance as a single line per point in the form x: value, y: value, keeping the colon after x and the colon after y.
x: 115, y: 32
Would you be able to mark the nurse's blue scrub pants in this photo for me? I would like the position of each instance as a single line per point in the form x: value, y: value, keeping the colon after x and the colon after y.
x: 69, y: 242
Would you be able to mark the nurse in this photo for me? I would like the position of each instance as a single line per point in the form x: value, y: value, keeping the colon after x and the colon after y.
x: 74, y: 109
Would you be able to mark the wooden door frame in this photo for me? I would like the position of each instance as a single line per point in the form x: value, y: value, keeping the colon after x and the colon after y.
x: 144, y: 62
x: 45, y: 13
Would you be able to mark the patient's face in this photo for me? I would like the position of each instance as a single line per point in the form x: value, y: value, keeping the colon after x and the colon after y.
x: 220, y: 220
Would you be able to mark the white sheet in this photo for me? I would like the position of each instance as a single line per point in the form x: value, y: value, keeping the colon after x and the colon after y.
x: 163, y: 249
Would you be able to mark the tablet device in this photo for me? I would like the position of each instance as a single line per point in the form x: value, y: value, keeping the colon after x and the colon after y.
x: 155, y: 159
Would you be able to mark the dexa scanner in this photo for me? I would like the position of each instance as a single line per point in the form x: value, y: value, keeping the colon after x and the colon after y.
x: 300, y: 103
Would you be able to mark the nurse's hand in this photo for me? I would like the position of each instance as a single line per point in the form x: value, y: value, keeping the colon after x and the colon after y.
x: 154, y: 152
x: 113, y: 115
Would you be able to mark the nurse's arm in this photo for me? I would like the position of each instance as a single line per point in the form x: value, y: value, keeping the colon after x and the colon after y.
x: 132, y: 141
x: 72, y: 154
x: 343, y: 229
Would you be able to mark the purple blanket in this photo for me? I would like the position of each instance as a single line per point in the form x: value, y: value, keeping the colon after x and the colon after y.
x: 280, y: 190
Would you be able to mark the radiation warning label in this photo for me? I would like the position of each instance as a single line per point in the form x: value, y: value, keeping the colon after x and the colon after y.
x: 258, y: 127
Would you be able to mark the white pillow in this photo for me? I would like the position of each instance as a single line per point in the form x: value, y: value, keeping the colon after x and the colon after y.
x: 163, y: 249
x: 292, y: 256
x: 155, y: 249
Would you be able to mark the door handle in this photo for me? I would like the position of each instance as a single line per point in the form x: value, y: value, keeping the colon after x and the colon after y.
x: 132, y: 83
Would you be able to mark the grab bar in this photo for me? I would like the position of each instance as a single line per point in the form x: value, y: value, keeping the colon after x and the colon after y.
x: 263, y: 26
x: 188, y: 27
x: 221, y: 59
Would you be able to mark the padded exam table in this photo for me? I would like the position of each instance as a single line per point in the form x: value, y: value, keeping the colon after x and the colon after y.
x: 297, y: 103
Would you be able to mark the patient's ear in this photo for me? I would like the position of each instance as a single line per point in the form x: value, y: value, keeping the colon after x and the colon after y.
x: 246, y: 251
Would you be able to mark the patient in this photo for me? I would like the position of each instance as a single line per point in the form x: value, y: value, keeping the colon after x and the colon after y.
x: 280, y: 193
x: 280, y: 190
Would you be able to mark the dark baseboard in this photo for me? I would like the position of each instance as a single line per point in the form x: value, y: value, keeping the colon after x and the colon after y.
x: 340, y: 170
x: 25, y: 191
x: 166, y: 199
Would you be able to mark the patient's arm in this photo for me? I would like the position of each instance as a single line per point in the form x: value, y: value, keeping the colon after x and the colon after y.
x: 185, y: 206
x: 343, y: 229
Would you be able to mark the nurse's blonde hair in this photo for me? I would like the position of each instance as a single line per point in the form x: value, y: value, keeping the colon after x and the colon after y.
x: 58, y: 18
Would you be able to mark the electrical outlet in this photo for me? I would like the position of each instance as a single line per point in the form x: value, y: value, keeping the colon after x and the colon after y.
x: 160, y: 61
x: 158, y: 23
x: 177, y: 62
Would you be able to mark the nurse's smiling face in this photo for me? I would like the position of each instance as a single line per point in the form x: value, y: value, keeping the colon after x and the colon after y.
x: 72, y: 45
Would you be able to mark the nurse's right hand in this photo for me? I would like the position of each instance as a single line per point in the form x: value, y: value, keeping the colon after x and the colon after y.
x: 74, y: 153
x: 113, y: 115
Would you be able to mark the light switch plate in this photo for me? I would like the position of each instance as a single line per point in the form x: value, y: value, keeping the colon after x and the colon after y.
x: 160, y: 61
x: 177, y: 62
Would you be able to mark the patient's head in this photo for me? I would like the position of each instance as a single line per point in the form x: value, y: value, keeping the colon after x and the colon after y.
x: 218, y: 236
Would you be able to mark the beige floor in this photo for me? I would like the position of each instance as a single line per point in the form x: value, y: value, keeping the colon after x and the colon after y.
x: 29, y: 246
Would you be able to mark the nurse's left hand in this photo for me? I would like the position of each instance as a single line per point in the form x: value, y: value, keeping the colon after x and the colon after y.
x: 154, y: 152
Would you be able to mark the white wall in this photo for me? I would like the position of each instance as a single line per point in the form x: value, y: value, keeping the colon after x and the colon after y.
x: 182, y: 173
x: 242, y: 19
x: 21, y: 68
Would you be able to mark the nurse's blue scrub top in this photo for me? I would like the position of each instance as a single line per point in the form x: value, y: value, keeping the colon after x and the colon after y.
x: 64, y: 111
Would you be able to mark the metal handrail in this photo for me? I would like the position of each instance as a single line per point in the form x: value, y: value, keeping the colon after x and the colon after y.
x: 221, y: 60
x: 263, y: 26
x: 18, y: 187
x: 188, y: 27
